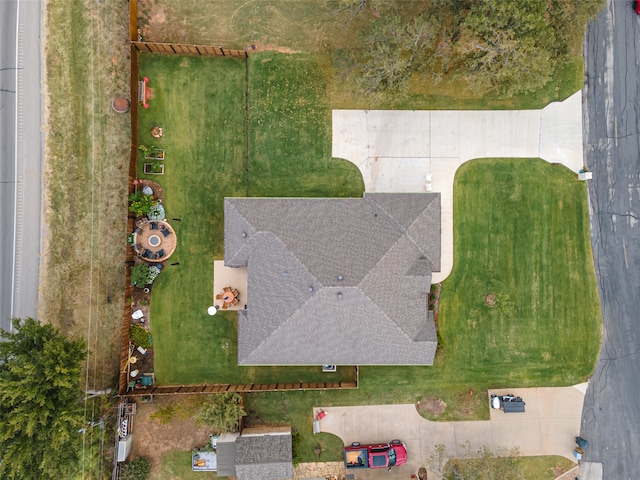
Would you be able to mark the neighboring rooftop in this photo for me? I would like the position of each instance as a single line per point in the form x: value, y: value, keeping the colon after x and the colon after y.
x: 335, y: 281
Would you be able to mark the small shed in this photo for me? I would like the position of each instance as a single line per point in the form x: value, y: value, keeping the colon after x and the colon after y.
x: 124, y: 447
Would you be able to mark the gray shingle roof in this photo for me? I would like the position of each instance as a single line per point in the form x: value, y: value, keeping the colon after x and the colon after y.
x: 264, y: 456
x: 335, y: 281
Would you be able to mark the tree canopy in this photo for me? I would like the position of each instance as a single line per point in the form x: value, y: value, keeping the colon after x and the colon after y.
x: 40, y: 411
x: 494, y: 45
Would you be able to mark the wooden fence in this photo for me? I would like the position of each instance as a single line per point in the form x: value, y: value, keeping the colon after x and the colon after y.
x: 242, y: 388
x: 184, y: 49
x: 138, y: 46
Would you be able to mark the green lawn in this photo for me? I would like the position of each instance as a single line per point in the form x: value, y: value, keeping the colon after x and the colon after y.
x: 199, y: 102
x: 521, y: 232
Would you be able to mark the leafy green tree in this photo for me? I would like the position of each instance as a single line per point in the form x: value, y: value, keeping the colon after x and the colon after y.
x: 137, y: 469
x: 40, y: 411
x: 221, y: 412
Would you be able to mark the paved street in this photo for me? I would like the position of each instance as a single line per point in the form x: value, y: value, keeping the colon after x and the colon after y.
x: 611, y: 418
x: 21, y: 146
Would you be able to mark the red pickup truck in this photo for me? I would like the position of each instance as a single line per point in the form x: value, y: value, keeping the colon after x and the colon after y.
x: 378, y: 455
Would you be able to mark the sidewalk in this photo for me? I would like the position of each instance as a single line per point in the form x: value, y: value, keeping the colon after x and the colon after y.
x: 420, y: 150
x: 547, y: 427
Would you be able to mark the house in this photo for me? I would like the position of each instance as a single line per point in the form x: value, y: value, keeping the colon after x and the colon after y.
x: 264, y: 453
x: 335, y: 281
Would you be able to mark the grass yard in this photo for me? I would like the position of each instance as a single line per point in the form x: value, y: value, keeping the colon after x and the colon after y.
x: 199, y: 102
x: 521, y: 233
x: 316, y: 28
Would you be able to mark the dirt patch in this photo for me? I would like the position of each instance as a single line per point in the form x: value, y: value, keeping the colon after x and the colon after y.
x: 152, y: 439
x: 259, y: 47
x: 490, y: 299
x: 431, y: 406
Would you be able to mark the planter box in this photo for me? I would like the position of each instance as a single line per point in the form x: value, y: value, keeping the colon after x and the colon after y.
x: 148, y: 167
x: 159, y: 155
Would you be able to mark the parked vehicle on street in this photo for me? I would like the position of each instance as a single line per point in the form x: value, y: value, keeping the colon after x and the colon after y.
x: 378, y: 455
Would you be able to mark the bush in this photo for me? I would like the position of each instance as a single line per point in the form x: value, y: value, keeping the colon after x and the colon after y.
x: 139, y: 336
x: 140, y: 203
x: 143, y: 274
x: 221, y: 412
x: 138, y: 469
x: 156, y: 212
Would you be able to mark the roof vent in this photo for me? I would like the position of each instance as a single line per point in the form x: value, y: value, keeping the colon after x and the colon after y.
x: 244, y: 234
x: 339, y: 295
x: 285, y: 273
x: 310, y: 288
x: 340, y: 277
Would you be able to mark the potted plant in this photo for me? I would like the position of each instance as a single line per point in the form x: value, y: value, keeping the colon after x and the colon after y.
x: 154, y: 168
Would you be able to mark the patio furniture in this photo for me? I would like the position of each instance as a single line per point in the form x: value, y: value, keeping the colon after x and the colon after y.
x: 161, y: 253
x: 235, y: 292
x: 165, y: 232
x: 225, y: 306
x: 153, y: 225
x: 138, y: 230
x: 234, y: 302
x: 138, y: 246
x: 219, y: 296
x: 226, y: 289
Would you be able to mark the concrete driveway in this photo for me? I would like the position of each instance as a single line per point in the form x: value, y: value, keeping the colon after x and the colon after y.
x: 547, y: 427
x: 420, y: 150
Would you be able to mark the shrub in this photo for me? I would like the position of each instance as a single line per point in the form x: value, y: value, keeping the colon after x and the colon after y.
x: 138, y: 469
x: 139, y: 336
x: 156, y: 212
x: 140, y: 203
x: 221, y: 412
x: 143, y: 274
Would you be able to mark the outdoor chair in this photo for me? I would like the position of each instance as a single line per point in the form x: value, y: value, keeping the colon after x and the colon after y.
x: 160, y: 253
x: 138, y: 230
x: 227, y: 289
x: 219, y: 296
x: 235, y: 292
x: 146, y: 253
x: 153, y: 225
x: 165, y: 232
x: 235, y: 302
x: 138, y: 246
x: 225, y: 306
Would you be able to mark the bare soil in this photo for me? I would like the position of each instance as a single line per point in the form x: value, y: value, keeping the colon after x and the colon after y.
x: 152, y: 439
x: 431, y: 406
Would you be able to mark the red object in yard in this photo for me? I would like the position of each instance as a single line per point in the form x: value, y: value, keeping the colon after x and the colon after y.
x: 321, y: 414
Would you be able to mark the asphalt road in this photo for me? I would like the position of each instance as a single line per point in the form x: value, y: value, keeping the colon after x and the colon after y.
x: 611, y: 415
x: 21, y: 154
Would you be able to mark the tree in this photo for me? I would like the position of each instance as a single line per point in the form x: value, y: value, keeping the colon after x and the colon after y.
x: 222, y: 412
x: 482, y: 464
x: 138, y: 469
x: 40, y: 411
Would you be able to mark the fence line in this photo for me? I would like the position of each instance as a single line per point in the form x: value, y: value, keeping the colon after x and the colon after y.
x: 185, y: 49
x: 241, y: 388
